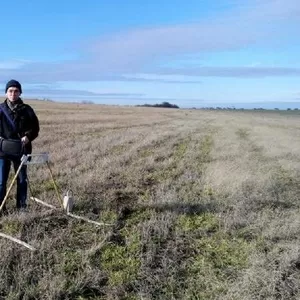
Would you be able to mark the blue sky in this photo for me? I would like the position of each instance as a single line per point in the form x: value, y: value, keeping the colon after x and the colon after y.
x: 191, y: 53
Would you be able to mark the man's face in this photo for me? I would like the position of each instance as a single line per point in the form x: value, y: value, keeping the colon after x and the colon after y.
x: 13, y: 94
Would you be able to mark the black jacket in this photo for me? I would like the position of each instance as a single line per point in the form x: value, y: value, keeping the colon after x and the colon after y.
x: 25, y: 120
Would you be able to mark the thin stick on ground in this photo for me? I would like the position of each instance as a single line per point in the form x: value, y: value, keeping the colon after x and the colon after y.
x: 88, y: 220
x: 17, y: 241
x: 69, y: 214
x: 43, y: 203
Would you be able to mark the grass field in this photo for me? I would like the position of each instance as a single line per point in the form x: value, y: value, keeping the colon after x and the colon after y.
x: 203, y: 205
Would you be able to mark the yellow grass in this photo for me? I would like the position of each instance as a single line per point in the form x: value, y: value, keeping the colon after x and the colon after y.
x: 205, y: 205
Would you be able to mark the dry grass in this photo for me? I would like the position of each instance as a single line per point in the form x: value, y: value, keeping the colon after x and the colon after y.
x: 204, y: 205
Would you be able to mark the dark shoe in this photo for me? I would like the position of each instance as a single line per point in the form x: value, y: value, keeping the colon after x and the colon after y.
x: 21, y: 206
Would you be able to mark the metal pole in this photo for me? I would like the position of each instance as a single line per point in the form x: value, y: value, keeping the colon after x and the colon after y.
x: 29, y: 185
x: 55, y: 187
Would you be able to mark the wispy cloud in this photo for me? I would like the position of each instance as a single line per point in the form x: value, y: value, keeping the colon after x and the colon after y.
x: 256, y: 23
x: 12, y: 64
x: 72, y: 92
x: 240, y: 72
x: 77, y: 72
x: 160, y: 78
x: 142, y: 50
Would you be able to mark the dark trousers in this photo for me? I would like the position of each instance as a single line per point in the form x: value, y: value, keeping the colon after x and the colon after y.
x: 21, y: 181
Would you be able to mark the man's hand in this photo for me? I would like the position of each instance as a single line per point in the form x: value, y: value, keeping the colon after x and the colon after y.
x: 25, y: 139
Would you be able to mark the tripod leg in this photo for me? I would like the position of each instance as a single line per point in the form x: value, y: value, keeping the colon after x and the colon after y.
x: 55, y: 186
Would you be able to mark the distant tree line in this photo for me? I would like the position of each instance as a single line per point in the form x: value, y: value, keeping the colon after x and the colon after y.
x: 163, y: 104
x: 233, y: 108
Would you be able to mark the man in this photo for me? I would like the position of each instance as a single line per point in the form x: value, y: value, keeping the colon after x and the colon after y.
x: 18, y: 121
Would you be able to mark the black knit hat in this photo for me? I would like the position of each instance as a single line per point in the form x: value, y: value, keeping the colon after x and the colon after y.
x: 14, y: 83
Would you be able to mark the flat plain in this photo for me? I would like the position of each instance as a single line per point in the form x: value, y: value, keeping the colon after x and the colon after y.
x: 199, y: 204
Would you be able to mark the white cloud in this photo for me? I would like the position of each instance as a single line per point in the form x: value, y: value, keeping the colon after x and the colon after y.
x: 259, y: 23
x: 13, y: 64
x: 141, y: 50
x: 239, y: 72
